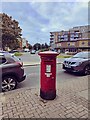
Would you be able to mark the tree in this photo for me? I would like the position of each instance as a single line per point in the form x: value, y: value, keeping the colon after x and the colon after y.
x: 43, y: 46
x: 37, y: 46
x: 46, y: 45
x: 29, y: 46
x: 24, y: 47
x: 10, y: 31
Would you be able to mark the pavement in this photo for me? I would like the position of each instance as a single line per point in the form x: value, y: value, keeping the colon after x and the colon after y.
x: 71, y: 102
x: 1, y: 106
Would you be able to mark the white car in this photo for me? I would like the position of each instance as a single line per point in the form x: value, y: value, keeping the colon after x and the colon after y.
x: 33, y: 52
x: 26, y: 50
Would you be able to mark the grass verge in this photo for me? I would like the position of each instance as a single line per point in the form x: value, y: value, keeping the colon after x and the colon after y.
x: 64, y: 56
x: 18, y: 54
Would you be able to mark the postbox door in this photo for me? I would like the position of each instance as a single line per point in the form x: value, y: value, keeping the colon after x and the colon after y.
x: 52, y: 81
x: 50, y: 76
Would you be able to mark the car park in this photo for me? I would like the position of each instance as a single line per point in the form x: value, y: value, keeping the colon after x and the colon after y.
x: 12, y: 71
x: 80, y: 63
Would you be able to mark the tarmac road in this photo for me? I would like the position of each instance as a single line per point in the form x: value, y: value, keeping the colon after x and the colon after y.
x: 33, y: 76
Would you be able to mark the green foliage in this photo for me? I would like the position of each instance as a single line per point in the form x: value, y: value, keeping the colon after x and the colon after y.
x: 37, y: 46
x: 45, y: 49
x: 10, y: 32
x: 18, y: 54
x: 64, y: 56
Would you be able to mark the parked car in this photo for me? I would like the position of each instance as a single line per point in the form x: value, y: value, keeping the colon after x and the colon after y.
x: 13, y: 51
x: 33, y: 52
x: 26, y: 50
x: 1, y: 51
x: 78, y: 63
x: 12, y: 71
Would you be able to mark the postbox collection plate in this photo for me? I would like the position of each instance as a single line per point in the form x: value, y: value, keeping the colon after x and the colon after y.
x: 48, y: 68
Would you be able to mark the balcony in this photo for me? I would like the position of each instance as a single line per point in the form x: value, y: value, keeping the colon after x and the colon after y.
x: 51, y: 41
x: 59, y: 39
x: 65, y: 38
x: 76, y: 36
x: 62, y: 37
x: 51, y: 35
x: 73, y: 39
x: 51, y: 38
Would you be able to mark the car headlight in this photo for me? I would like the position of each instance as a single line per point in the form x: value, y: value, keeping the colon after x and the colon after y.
x: 78, y: 63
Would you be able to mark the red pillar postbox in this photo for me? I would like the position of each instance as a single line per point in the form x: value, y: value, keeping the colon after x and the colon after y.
x: 48, y: 75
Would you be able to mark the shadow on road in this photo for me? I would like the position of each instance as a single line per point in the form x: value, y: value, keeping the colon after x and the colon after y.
x: 75, y: 74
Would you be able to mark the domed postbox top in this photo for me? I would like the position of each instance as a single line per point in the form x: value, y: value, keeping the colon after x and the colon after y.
x: 48, y: 53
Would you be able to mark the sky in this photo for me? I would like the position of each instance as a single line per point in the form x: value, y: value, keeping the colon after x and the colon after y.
x: 38, y: 19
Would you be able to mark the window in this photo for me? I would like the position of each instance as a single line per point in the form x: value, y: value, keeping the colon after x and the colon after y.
x: 83, y: 43
x: 68, y: 44
x: 66, y: 39
x: 88, y: 43
x: 2, y: 60
x: 72, y: 35
x: 59, y: 36
x: 66, y: 35
x: 76, y: 35
x: 59, y: 39
x: 71, y: 39
x: 62, y: 36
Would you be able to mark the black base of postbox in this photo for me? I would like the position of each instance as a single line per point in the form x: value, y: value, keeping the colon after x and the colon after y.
x: 50, y: 95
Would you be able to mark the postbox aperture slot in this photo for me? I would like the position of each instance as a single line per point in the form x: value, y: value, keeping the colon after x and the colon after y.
x: 48, y: 60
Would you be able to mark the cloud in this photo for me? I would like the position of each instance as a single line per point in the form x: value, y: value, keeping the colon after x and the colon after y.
x: 34, y: 1
x: 38, y: 19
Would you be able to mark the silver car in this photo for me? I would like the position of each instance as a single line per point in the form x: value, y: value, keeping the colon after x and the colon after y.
x: 78, y: 63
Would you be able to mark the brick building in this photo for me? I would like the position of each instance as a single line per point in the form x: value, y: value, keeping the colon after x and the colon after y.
x: 23, y: 43
x: 76, y: 38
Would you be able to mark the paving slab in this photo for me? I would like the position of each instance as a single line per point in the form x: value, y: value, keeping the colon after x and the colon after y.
x: 26, y: 102
x: 1, y: 100
x: 84, y: 94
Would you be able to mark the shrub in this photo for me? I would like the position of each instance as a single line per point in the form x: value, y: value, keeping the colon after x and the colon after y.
x: 18, y: 54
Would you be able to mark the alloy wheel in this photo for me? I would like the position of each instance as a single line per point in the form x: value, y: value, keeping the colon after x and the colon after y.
x: 87, y: 70
x: 8, y: 83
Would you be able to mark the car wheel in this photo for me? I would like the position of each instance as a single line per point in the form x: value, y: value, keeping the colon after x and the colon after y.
x: 8, y: 83
x: 87, y: 70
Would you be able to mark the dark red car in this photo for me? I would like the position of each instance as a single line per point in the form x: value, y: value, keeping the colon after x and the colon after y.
x: 12, y: 71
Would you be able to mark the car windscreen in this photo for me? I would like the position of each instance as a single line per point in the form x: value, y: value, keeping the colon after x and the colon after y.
x: 15, y: 58
x: 84, y: 55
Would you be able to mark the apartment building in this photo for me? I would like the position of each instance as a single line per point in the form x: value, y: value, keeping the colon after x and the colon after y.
x: 76, y: 38
x: 23, y: 43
